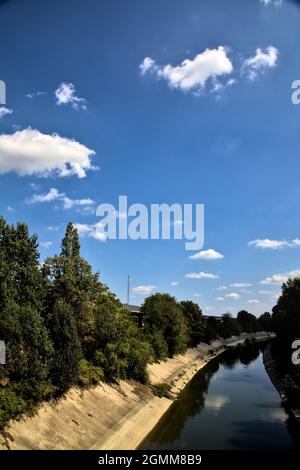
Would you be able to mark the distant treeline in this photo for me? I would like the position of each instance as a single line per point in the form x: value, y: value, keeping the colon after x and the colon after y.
x: 63, y: 327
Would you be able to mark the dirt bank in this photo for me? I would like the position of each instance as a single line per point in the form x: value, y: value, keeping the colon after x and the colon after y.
x: 111, y: 417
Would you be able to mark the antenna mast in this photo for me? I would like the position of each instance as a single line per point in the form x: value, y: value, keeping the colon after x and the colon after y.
x: 128, y: 290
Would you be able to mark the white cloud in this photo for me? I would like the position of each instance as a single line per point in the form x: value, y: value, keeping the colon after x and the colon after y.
x: 147, y: 65
x: 4, y: 111
x: 69, y: 203
x: 92, y: 230
x: 260, y: 62
x: 175, y: 283
x: 46, y: 244
x: 253, y: 302
x: 192, y: 74
x: 55, y: 195
x: 240, y: 285
x: 233, y: 296
x: 219, y: 299
x: 201, y: 275
x: 52, y: 228
x: 295, y: 273
x: 10, y: 209
x: 274, y: 279
x: 66, y: 94
x: 221, y: 288
x: 269, y: 244
x: 52, y: 195
x: 207, y: 255
x: 35, y: 94
x: 143, y: 290
x: 274, y: 244
x: 280, y: 278
x: 29, y: 152
x: 276, y: 3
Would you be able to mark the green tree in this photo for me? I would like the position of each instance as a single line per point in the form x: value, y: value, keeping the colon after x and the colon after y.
x: 67, y: 347
x: 70, y: 277
x: 265, y: 321
x: 248, y: 322
x: 195, y: 322
x: 120, y: 350
x: 28, y: 348
x: 162, y: 313
x: 228, y: 326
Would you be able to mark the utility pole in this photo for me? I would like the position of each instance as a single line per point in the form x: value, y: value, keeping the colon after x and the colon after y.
x: 128, y: 290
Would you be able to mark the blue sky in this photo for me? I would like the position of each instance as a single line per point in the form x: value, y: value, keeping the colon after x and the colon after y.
x: 219, y: 129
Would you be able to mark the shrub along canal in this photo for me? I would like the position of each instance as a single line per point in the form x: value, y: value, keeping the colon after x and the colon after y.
x: 230, y: 404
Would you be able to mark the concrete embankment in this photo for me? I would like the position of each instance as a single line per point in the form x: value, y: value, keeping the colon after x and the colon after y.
x: 112, y: 416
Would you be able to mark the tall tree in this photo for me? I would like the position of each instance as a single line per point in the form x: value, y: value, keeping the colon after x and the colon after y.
x: 67, y: 347
x: 195, y: 322
x: 70, y: 277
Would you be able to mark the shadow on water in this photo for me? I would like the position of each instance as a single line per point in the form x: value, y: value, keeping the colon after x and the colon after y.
x: 186, y: 406
x: 230, y: 403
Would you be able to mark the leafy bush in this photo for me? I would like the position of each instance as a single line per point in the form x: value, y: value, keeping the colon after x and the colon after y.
x: 89, y: 374
x: 11, y: 405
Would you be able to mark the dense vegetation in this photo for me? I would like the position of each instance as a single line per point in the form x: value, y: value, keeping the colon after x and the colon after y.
x: 63, y: 327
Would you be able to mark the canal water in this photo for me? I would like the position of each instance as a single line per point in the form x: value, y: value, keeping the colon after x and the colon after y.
x: 230, y: 404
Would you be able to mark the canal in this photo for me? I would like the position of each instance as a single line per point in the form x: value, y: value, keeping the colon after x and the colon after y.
x: 230, y: 404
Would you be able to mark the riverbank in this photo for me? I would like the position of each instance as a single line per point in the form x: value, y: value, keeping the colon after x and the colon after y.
x: 271, y: 367
x: 113, y: 416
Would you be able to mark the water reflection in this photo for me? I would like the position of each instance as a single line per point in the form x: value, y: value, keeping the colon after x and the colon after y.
x: 230, y: 404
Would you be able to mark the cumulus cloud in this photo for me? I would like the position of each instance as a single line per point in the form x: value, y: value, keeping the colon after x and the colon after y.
x: 4, y: 111
x: 280, y: 278
x: 92, y: 230
x: 66, y: 94
x: 207, y: 255
x: 201, y: 275
x: 175, y: 283
x: 275, y: 279
x: 143, y: 290
x: 233, y: 296
x: 240, y: 285
x: 219, y: 299
x: 253, y: 302
x: 269, y: 244
x: 274, y: 244
x: 276, y: 3
x: 192, y: 74
x: 260, y: 62
x: 30, y: 152
x: 54, y: 195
